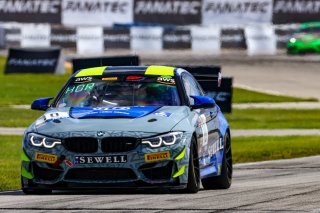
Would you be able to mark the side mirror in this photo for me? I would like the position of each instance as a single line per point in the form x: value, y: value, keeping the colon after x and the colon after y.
x: 202, y: 102
x: 41, y: 103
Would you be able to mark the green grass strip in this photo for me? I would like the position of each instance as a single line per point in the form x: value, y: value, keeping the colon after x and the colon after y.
x: 252, y: 149
x: 274, y: 119
x: 247, y: 96
x: 10, y: 152
x: 18, y: 117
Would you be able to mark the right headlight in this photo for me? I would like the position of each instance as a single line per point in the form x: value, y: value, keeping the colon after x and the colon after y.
x: 163, y: 140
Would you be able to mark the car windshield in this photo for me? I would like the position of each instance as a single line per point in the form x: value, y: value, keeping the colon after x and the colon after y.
x: 132, y: 90
x: 309, y: 30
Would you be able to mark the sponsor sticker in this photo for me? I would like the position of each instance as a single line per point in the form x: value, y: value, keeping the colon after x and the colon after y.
x: 46, y: 158
x: 82, y: 80
x: 110, y: 79
x: 100, y: 159
x: 158, y: 156
x: 166, y: 80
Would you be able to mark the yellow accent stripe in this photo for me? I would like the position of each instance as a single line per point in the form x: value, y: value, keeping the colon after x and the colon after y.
x: 160, y: 70
x: 24, y: 157
x: 180, y: 172
x: 181, y: 155
x: 25, y: 173
x: 91, y: 71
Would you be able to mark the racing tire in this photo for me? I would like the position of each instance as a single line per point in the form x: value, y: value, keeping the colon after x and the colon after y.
x: 225, y: 179
x: 193, y: 185
x: 28, y: 191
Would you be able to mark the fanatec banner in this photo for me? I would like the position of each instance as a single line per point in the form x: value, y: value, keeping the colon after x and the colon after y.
x: 96, y: 12
x: 236, y: 11
x: 295, y: 11
x: 31, y: 11
x: 171, y: 12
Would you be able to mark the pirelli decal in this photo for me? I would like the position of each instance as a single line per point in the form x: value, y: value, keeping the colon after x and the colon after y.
x: 158, y: 156
x: 46, y: 158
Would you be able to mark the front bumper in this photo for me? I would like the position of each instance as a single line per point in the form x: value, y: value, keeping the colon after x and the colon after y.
x: 137, y: 172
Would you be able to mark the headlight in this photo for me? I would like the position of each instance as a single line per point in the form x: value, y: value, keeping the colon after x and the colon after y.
x: 166, y: 139
x: 43, y: 141
x: 293, y: 40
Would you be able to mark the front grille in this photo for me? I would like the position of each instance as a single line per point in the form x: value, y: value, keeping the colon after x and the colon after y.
x: 158, y: 173
x: 107, y: 174
x: 81, y: 144
x: 118, y: 144
x: 45, y: 173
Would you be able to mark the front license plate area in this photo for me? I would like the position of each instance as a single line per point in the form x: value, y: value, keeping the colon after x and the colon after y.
x: 100, y: 159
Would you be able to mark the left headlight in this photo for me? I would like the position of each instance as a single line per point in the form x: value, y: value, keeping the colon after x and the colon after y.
x: 43, y: 141
x: 163, y: 140
x: 293, y: 40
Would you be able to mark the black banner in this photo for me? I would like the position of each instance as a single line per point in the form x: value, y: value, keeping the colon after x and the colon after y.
x: 295, y: 11
x: 82, y: 63
x: 23, y: 60
x: 283, y: 36
x: 171, y: 12
x: 116, y: 38
x: 233, y: 38
x: 176, y: 39
x: 64, y: 37
x: 31, y: 11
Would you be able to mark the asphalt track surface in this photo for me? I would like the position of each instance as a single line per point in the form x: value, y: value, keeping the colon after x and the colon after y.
x: 270, y: 186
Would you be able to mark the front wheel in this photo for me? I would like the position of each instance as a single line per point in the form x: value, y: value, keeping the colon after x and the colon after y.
x: 225, y: 179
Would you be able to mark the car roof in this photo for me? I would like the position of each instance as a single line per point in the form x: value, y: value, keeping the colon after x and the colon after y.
x: 143, y: 70
x: 309, y: 24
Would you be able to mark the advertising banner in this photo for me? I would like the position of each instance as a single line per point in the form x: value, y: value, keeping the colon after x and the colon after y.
x: 171, y: 12
x: 31, y: 11
x: 295, y: 11
x: 35, y: 35
x: 24, y: 60
x: 96, y: 12
x: 261, y: 40
x: 90, y: 40
x: 116, y: 38
x: 206, y: 39
x: 233, y: 38
x: 64, y: 37
x: 2, y: 38
x: 176, y: 39
x: 236, y: 11
x: 146, y: 38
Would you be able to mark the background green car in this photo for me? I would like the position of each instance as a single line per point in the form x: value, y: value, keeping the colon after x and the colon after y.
x: 306, y: 39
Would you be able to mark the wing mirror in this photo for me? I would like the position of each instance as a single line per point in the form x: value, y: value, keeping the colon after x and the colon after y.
x: 41, y: 103
x: 202, y: 102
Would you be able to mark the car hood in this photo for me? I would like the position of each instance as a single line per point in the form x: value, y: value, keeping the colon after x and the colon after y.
x: 150, y: 119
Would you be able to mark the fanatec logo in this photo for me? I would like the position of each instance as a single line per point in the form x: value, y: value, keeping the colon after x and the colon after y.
x: 178, y: 7
x: 30, y: 6
x: 94, y: 6
x: 237, y: 7
x: 297, y: 6
x: 31, y: 62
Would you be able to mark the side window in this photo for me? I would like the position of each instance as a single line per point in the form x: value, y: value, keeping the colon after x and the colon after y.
x: 191, y: 87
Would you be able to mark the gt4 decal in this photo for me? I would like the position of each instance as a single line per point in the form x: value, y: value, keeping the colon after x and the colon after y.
x: 158, y: 156
x: 46, y: 158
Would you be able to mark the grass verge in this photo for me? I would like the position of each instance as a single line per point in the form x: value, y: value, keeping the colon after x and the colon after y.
x: 274, y: 119
x: 248, y: 96
x: 10, y: 162
x: 252, y: 149
x: 245, y: 149
x: 11, y: 117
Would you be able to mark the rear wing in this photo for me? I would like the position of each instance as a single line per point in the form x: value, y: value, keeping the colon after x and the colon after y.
x: 216, y: 87
x: 206, y: 75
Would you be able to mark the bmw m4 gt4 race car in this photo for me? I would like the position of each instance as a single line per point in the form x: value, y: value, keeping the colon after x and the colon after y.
x: 123, y: 127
